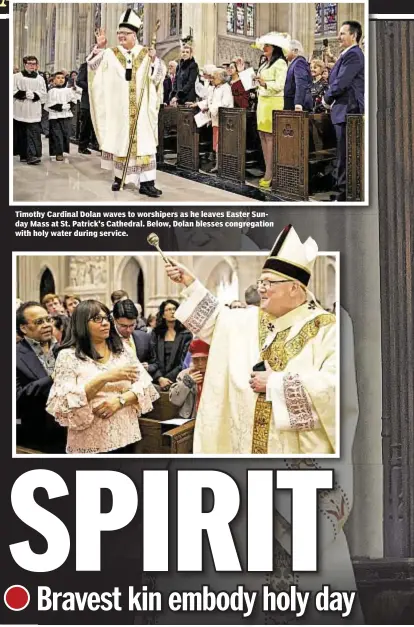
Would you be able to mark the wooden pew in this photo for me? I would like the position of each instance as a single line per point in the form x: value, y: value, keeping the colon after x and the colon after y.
x: 355, y: 158
x: 232, y: 144
x: 239, y: 146
x: 21, y: 450
x: 188, y: 140
x: 158, y: 438
x: 167, y: 132
x: 303, y: 144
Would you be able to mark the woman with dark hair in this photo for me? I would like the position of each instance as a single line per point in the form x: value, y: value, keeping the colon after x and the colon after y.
x: 99, y: 388
x: 240, y: 95
x: 169, y: 341
x: 271, y: 78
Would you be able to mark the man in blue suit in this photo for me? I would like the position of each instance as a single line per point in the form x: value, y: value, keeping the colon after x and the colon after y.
x: 298, y: 80
x: 346, y: 93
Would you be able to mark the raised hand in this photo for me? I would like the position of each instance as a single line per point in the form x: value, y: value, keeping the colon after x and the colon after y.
x: 123, y: 373
x: 100, y: 35
x: 178, y: 273
x: 197, y: 376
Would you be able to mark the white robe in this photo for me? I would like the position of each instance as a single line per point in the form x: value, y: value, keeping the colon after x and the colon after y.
x: 113, y: 102
x: 63, y: 96
x: 297, y: 414
x: 334, y: 562
x: 28, y: 111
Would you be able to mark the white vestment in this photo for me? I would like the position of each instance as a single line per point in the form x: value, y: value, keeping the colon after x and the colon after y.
x: 334, y: 507
x: 113, y: 105
x: 297, y: 413
x: 28, y: 111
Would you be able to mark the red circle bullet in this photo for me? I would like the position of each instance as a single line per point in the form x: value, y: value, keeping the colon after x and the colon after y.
x: 16, y: 598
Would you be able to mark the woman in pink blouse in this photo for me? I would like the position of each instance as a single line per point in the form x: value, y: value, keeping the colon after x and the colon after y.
x: 100, y: 388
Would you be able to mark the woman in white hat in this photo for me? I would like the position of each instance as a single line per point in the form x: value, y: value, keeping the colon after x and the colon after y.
x: 271, y: 79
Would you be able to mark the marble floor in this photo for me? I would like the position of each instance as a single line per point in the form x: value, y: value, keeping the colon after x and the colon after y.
x: 79, y: 178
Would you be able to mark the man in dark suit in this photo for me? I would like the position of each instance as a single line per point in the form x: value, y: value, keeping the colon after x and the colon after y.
x: 125, y: 316
x: 298, y: 80
x: 86, y: 134
x: 35, y: 362
x: 169, y: 81
x: 346, y: 94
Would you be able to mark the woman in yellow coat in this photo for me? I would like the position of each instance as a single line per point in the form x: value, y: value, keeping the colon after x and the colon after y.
x: 271, y: 79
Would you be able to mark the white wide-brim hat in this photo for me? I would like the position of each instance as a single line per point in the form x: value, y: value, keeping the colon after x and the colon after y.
x: 274, y: 39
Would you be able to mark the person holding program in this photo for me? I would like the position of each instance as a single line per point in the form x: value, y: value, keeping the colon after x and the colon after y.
x: 271, y: 382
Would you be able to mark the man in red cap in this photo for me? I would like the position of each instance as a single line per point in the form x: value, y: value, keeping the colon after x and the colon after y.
x: 185, y: 393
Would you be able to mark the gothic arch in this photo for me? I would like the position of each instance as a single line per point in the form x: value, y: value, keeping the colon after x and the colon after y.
x: 211, y: 269
x: 131, y: 275
x: 46, y: 282
x: 171, y: 53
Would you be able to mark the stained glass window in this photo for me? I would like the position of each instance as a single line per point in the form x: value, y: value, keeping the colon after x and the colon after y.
x: 250, y: 20
x: 330, y: 18
x: 241, y: 18
x: 230, y: 17
x: 326, y: 19
x: 138, y: 7
x: 176, y: 19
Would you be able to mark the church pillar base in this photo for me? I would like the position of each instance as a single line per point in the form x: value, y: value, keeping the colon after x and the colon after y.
x: 386, y: 590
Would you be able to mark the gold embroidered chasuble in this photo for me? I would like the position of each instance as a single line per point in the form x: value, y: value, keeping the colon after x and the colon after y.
x: 297, y: 413
x: 113, y: 105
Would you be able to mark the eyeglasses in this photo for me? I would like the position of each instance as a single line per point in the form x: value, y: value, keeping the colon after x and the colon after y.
x: 266, y: 284
x: 124, y: 32
x: 39, y: 321
x: 100, y: 319
x: 126, y: 326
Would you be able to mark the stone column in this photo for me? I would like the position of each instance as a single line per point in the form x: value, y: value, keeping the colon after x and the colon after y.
x: 34, y: 30
x: 202, y: 18
x: 60, y: 52
x: 303, y: 25
x: 19, y: 16
x: 396, y: 196
x: 110, y: 19
x: 90, y: 29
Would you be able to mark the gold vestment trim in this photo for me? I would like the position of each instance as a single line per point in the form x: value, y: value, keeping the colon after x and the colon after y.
x: 278, y: 355
x: 132, y: 91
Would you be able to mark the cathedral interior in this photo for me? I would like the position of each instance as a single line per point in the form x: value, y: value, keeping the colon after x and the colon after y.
x: 62, y: 34
x: 145, y: 279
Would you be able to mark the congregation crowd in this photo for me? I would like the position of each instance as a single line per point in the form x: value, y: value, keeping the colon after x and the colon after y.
x: 85, y: 372
x: 285, y: 79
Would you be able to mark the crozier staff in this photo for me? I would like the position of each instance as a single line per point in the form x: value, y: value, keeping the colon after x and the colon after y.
x: 116, y: 78
x: 100, y: 388
x: 271, y: 379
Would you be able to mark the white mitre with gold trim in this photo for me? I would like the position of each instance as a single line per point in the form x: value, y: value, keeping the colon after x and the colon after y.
x: 292, y: 259
x: 129, y: 19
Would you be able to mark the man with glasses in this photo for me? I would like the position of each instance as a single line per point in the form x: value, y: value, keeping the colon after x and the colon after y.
x: 29, y: 93
x: 117, y: 77
x: 35, y: 363
x: 126, y: 316
x: 270, y: 386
